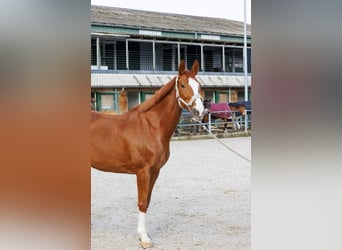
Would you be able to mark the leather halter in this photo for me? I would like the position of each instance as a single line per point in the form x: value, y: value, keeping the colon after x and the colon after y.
x: 182, y: 101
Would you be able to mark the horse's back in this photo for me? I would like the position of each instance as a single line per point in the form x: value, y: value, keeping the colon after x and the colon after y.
x: 219, y: 106
x: 238, y: 107
x: 235, y: 105
x: 109, y: 127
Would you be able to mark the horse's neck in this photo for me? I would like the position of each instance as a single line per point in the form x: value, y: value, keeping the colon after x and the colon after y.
x: 169, y: 113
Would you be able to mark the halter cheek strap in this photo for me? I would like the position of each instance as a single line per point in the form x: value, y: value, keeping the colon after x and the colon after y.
x: 182, y: 101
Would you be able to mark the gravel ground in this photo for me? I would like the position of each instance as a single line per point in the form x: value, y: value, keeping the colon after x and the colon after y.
x: 201, y: 200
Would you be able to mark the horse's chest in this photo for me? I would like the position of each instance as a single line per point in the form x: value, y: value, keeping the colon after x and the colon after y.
x: 158, y: 155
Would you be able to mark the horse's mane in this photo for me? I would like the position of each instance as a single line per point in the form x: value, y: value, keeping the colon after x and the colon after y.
x: 158, y: 96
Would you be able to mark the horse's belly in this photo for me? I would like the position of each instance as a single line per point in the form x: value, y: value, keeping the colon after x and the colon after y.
x: 115, y: 169
x: 112, y: 161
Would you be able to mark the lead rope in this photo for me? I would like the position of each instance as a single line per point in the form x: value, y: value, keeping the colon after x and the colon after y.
x: 222, y: 143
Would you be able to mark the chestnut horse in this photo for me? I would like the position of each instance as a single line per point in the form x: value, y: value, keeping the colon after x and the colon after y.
x: 137, y: 142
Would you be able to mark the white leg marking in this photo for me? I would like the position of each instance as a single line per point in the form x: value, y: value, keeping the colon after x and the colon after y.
x: 145, y: 239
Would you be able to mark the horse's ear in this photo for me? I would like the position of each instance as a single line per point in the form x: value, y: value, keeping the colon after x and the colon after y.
x: 195, y: 68
x: 181, y: 67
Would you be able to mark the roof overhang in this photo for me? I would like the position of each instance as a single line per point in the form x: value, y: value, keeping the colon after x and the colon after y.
x: 108, y: 35
x: 113, y: 80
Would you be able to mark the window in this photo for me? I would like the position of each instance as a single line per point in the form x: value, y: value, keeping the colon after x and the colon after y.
x: 212, y: 59
x: 234, y: 59
x: 93, y: 52
x: 238, y: 59
x: 108, y: 54
x: 189, y: 53
x: 92, y: 101
x: 146, y: 95
x: 209, y: 95
x: 105, y: 102
x: 120, y: 55
x: 222, y: 97
x: 140, y: 56
x: 132, y: 98
x: 166, y: 56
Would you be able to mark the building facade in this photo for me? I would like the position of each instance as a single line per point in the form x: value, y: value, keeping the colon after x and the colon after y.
x: 134, y: 53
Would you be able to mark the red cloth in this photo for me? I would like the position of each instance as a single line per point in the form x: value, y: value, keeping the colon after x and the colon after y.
x: 220, y: 110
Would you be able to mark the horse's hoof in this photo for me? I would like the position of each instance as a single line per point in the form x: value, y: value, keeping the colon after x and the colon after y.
x: 146, y: 244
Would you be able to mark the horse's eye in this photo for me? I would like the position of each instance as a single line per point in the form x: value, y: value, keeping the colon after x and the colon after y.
x: 182, y: 85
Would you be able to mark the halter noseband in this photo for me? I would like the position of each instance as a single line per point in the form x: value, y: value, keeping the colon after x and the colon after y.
x: 182, y: 101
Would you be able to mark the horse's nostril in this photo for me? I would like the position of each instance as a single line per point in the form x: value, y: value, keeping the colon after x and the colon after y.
x: 195, y: 113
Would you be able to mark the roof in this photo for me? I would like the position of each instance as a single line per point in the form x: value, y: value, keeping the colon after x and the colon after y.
x: 165, y: 21
x: 113, y: 80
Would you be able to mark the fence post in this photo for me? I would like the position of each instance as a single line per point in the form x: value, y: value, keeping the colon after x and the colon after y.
x: 246, y: 122
x: 209, y: 123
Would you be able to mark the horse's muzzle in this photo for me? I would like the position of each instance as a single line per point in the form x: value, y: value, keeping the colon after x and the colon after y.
x: 197, y: 115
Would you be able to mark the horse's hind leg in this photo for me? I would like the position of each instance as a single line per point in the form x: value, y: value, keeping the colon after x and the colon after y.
x: 225, y: 130
x: 145, y: 182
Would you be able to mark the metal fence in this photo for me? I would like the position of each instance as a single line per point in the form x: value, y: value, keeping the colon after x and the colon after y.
x: 187, y: 126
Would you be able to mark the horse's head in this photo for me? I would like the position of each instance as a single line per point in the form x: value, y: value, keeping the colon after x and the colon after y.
x: 242, y: 109
x: 236, y: 106
x: 206, y: 104
x: 188, y: 90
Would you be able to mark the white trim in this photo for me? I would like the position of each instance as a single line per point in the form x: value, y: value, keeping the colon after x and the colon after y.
x: 211, y: 37
x: 150, y: 33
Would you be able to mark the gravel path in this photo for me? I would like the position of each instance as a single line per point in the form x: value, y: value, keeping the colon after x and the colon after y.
x: 201, y: 200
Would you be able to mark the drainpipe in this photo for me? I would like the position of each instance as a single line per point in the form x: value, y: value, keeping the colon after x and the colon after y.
x: 127, y: 61
x: 202, y: 58
x: 154, y: 54
x: 98, y: 52
x: 245, y: 60
x: 178, y: 53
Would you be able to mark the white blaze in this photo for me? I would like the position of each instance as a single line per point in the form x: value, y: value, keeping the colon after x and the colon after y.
x: 195, y: 88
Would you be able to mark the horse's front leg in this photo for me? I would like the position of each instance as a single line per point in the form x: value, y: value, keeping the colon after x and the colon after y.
x: 236, y: 123
x: 145, y: 240
x: 145, y: 183
x: 225, y: 130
